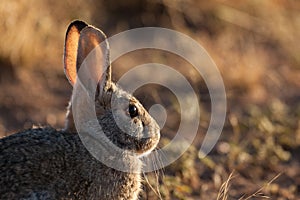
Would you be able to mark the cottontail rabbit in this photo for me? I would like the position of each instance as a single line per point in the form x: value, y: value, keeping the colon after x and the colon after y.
x: 44, y: 163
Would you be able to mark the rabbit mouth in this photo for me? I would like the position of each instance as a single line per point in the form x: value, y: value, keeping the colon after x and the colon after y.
x: 145, y: 145
x: 137, y: 145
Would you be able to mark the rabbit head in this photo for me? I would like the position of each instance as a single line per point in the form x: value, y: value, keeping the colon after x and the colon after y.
x: 123, y: 119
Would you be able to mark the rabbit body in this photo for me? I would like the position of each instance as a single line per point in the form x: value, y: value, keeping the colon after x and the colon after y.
x: 45, y: 163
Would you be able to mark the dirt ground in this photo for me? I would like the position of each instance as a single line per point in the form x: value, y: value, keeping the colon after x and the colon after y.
x: 255, y: 45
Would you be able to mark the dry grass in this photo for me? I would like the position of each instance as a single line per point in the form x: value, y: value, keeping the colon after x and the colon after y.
x: 255, y: 45
x: 225, y: 187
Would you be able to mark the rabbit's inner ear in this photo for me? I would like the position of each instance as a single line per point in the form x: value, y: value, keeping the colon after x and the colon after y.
x: 70, y: 50
x: 93, y: 56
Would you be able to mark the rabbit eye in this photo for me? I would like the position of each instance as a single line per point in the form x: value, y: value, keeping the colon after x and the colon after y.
x: 133, y: 111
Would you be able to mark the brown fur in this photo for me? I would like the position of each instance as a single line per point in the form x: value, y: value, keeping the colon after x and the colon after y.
x: 45, y: 163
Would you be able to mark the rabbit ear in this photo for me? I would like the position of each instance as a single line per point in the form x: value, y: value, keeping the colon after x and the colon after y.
x: 70, y: 50
x: 93, y: 57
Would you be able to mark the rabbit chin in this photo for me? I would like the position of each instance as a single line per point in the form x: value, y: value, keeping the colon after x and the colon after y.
x: 143, y: 153
x: 147, y: 147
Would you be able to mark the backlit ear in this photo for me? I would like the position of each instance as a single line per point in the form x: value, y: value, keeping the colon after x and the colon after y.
x: 93, y: 64
x: 70, y: 50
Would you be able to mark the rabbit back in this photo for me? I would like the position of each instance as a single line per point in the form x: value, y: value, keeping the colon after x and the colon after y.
x: 45, y: 163
x: 36, y: 162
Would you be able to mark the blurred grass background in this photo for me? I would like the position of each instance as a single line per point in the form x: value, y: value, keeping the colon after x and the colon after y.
x: 254, y: 43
